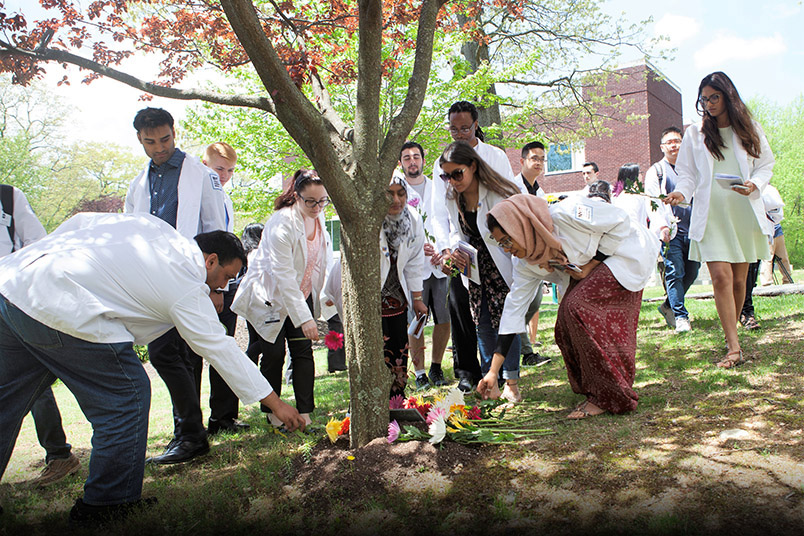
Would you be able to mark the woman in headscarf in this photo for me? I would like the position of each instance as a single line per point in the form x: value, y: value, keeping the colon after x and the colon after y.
x: 605, y: 260
x: 401, y: 269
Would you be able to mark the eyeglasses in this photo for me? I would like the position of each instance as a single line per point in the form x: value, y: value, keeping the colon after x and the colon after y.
x: 714, y: 99
x: 506, y: 242
x: 672, y: 142
x: 537, y: 159
x: 456, y: 175
x: 312, y: 203
x: 462, y: 130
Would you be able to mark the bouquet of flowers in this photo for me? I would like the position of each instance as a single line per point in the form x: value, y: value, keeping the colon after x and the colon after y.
x: 448, y: 417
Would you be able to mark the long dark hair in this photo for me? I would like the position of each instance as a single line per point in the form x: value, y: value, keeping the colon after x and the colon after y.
x: 301, y: 180
x: 252, y: 233
x: 460, y: 152
x: 471, y: 109
x: 627, y: 176
x: 739, y: 117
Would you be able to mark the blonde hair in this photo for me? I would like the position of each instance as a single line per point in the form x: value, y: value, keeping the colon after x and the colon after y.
x: 222, y: 149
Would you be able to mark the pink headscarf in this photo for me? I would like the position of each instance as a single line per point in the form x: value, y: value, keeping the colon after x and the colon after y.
x: 526, y: 219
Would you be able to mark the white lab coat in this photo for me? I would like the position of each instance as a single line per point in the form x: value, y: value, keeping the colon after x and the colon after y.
x: 270, y: 291
x: 585, y: 226
x: 201, y: 199
x: 409, y: 260
x: 115, y: 278
x: 487, y: 199
x: 495, y: 158
x: 695, y: 166
x: 424, y: 208
x: 27, y: 228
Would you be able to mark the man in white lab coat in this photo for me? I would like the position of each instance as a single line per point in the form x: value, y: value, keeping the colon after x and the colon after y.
x: 178, y: 189
x: 72, y: 304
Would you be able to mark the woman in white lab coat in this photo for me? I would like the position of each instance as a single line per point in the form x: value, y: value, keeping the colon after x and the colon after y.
x: 401, y: 269
x: 473, y: 190
x: 279, y: 295
x: 728, y: 227
x: 597, y: 320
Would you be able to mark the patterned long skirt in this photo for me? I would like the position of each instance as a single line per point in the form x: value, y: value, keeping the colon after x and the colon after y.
x: 596, y: 333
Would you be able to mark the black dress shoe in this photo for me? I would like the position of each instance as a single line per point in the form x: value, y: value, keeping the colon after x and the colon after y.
x: 84, y: 515
x: 181, y: 451
x: 232, y: 427
x: 465, y: 385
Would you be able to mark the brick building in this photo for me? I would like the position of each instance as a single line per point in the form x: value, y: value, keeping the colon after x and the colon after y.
x: 644, y: 92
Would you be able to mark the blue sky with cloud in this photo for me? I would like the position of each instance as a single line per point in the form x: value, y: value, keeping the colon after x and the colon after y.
x: 760, y: 46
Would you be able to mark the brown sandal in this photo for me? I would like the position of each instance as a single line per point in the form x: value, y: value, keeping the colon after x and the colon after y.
x: 731, y: 360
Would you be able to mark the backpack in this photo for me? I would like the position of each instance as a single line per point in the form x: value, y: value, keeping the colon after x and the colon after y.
x: 7, y: 200
x: 659, y: 173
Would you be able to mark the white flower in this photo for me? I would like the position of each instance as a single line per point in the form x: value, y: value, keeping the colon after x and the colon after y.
x: 437, y: 430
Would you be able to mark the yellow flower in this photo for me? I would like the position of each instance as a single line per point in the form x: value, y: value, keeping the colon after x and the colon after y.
x: 333, y: 427
x: 350, y: 458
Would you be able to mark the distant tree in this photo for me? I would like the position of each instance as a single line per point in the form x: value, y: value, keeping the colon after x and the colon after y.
x: 784, y: 127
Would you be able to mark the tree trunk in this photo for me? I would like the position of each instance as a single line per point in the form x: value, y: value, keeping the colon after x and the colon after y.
x: 369, y: 378
x: 477, y: 54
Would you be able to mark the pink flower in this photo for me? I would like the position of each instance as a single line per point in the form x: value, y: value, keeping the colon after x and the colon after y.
x: 396, y: 402
x: 435, y: 413
x: 473, y: 413
x: 414, y: 202
x: 393, y: 431
x: 334, y: 340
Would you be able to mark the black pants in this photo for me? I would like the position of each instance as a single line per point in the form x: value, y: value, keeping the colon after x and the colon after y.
x: 395, y: 333
x: 223, y: 403
x: 336, y: 359
x: 750, y: 283
x: 179, y: 369
x: 301, y: 357
x: 464, y: 333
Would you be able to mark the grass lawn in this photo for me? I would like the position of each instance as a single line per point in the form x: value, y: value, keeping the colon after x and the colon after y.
x: 708, y: 451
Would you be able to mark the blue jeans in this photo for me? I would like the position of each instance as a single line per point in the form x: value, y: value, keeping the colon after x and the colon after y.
x: 47, y: 420
x: 487, y: 342
x: 679, y: 274
x: 108, y: 382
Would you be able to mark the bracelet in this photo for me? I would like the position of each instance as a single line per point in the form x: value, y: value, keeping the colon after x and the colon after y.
x: 418, y: 298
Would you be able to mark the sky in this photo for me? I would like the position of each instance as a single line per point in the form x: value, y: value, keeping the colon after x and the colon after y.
x: 760, y: 48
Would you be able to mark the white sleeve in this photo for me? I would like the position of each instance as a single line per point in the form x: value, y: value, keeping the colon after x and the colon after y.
x: 438, y: 211
x: 414, y: 268
x: 27, y: 227
x: 523, y: 290
x: 213, y: 202
x: 687, y: 172
x: 197, y: 323
x: 279, y: 243
x: 763, y: 166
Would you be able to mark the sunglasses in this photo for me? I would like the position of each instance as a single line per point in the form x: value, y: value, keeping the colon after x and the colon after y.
x: 456, y: 175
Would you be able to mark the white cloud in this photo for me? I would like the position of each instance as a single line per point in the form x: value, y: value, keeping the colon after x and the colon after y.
x: 726, y: 47
x: 678, y: 28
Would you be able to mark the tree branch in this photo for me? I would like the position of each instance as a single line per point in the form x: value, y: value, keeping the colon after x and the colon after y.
x: 61, y: 56
x: 369, y: 80
x: 403, y: 122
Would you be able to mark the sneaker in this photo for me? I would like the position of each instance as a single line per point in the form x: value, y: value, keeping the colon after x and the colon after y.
x: 534, y: 360
x: 667, y: 313
x: 437, y: 377
x: 422, y: 382
x: 56, y: 471
x: 682, y: 325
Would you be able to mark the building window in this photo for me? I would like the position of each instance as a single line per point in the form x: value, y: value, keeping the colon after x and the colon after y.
x: 564, y: 157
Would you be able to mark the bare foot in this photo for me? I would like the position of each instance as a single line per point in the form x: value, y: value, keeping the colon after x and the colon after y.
x: 511, y: 392
x: 587, y: 409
